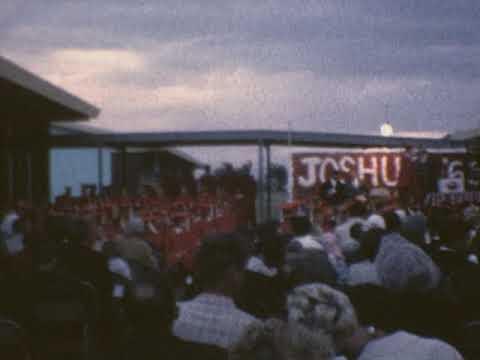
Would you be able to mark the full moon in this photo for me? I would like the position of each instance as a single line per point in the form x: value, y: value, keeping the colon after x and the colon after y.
x: 386, y: 129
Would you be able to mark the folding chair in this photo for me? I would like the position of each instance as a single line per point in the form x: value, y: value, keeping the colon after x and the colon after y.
x: 13, y: 342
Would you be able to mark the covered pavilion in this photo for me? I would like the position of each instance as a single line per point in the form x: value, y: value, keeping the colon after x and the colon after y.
x: 264, y: 139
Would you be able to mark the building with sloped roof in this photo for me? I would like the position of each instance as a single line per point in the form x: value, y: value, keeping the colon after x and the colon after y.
x: 29, y: 106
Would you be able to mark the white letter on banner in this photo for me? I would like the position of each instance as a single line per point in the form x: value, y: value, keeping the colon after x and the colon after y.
x: 373, y: 171
x: 323, y: 168
x: 345, y: 161
x: 455, y: 169
x: 311, y: 178
x: 397, y: 167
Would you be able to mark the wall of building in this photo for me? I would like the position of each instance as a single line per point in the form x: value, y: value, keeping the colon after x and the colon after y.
x: 24, y: 162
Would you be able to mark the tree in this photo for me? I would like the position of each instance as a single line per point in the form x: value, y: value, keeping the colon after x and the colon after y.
x: 278, y: 177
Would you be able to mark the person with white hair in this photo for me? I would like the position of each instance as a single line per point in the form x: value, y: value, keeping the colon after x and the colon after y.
x: 321, y: 308
x: 375, y: 221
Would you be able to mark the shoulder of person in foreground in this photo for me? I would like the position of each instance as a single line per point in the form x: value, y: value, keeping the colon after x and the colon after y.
x: 401, y: 344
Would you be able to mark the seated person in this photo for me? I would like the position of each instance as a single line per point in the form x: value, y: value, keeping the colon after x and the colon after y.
x: 151, y: 319
x: 303, y: 237
x: 355, y: 215
x: 306, y: 259
x: 132, y: 246
x: 78, y: 259
x: 265, y: 285
x: 403, y: 266
x: 212, y: 317
x: 365, y: 271
x: 277, y: 340
x: 321, y: 308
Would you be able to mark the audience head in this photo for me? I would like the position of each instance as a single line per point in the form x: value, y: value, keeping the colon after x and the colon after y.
x: 56, y: 232
x: 277, y: 340
x: 414, y: 229
x: 357, y: 209
x: 220, y: 262
x: 408, y: 270
x: 356, y: 231
x: 375, y: 222
x: 81, y: 232
x: 392, y: 222
x: 301, y: 225
x: 370, y: 242
x: 111, y: 249
x: 374, y: 305
x: 273, y: 250
x: 319, y: 307
x: 135, y: 227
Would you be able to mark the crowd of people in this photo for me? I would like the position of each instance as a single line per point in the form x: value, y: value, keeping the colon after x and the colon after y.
x: 365, y: 278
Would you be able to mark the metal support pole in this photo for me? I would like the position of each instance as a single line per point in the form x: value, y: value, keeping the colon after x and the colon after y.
x: 123, y: 169
x: 28, y: 161
x: 261, y: 204
x: 269, y: 183
x: 11, y: 176
x: 100, y: 169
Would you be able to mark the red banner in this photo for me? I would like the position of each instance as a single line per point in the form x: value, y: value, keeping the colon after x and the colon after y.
x: 374, y: 169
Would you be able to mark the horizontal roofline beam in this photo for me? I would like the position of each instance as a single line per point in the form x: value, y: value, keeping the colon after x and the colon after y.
x: 247, y: 137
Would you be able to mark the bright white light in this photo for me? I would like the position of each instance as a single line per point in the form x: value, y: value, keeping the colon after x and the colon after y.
x: 386, y: 129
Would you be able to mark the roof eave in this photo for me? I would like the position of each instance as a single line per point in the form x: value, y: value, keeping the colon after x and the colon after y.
x: 27, y: 80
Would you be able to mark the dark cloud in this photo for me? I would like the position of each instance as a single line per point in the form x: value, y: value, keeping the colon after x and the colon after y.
x: 324, y: 65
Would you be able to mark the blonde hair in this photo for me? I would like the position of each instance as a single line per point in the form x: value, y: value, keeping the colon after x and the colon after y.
x: 278, y: 340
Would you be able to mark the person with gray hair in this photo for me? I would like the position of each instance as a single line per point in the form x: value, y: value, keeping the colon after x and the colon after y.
x: 403, y: 266
x: 322, y: 308
x: 132, y: 246
x: 278, y: 340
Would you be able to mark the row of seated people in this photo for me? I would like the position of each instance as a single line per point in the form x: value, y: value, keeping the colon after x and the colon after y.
x: 203, y: 204
x: 64, y: 298
x: 410, y: 309
x: 172, y: 225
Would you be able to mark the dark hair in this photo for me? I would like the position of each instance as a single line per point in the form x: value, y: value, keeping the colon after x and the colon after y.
x: 392, y: 221
x: 217, y: 254
x: 301, y: 225
x: 357, y: 209
x: 370, y: 242
x: 267, y: 230
x: 356, y: 230
x: 414, y: 229
x: 273, y: 250
x: 77, y: 231
x: 373, y: 305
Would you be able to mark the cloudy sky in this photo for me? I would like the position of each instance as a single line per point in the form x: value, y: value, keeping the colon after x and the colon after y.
x: 328, y: 65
